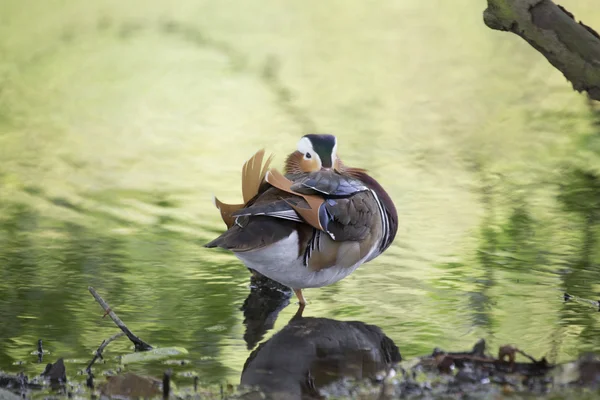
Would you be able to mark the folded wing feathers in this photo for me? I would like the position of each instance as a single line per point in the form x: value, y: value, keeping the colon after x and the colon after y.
x: 270, y: 211
x: 253, y: 174
x: 311, y: 214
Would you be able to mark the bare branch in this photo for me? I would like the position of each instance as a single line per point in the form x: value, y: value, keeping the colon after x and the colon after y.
x: 571, y: 47
x: 98, y: 353
x: 140, y: 345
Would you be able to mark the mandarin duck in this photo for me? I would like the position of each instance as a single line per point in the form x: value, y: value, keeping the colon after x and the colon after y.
x: 312, y: 226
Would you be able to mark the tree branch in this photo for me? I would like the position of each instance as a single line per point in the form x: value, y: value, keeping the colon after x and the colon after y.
x: 140, y: 345
x: 98, y: 353
x: 572, y: 48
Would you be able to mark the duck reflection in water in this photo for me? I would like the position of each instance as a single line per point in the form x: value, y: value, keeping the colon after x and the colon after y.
x: 262, y: 306
x: 308, y: 353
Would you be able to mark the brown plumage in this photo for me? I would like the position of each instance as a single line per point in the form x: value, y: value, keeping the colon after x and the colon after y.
x: 312, y: 226
x: 310, y: 214
x: 252, y: 177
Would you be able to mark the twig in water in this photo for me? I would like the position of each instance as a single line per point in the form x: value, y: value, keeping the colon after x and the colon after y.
x: 167, y: 383
x: 527, y: 355
x: 567, y: 297
x: 89, y: 381
x: 511, y: 351
x: 40, y: 351
x: 98, y: 353
x: 139, y: 344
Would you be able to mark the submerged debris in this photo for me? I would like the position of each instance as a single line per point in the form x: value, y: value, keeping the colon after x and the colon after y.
x: 56, y: 373
x: 450, y: 375
x: 40, y: 351
x: 98, y: 352
x: 585, y: 372
x: 475, y: 370
x: 477, y: 359
x: 593, y: 303
x: 17, y: 383
x: 166, y: 388
x: 588, y: 367
x: 318, y: 358
x: 130, y: 385
x: 139, y: 344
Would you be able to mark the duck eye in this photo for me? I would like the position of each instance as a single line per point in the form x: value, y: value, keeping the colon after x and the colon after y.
x: 307, y: 155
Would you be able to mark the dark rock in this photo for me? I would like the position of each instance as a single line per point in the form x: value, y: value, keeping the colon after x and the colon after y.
x: 56, y: 373
x: 311, y: 353
x: 18, y: 382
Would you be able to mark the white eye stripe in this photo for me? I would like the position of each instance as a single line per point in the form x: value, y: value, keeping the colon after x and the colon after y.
x: 305, y: 146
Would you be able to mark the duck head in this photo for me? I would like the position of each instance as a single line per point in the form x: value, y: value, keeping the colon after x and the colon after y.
x: 314, y: 153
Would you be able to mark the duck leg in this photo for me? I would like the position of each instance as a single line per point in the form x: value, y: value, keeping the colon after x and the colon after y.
x: 298, y: 313
x: 300, y: 296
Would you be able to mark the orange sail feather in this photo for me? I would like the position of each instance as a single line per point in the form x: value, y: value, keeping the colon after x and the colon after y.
x: 253, y: 175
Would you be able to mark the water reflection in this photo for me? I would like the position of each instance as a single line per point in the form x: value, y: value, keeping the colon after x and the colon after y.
x: 579, y: 194
x: 262, y: 306
x: 46, y: 265
x: 309, y: 353
x: 479, y: 300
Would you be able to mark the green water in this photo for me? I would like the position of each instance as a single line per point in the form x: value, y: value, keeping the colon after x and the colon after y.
x: 120, y: 120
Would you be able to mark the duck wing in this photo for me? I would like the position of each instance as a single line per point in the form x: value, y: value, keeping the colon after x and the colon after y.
x: 328, y: 184
x: 354, y: 230
x: 350, y: 218
x: 342, y: 218
x: 351, y: 215
x: 333, y: 230
x: 264, y: 220
x: 273, y: 202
